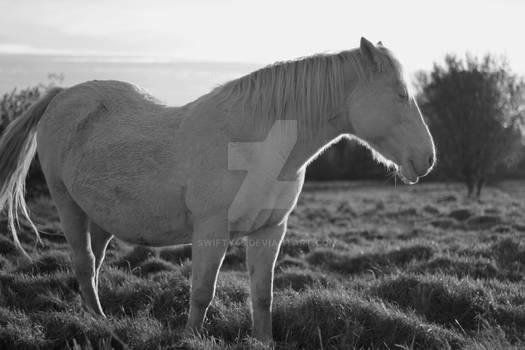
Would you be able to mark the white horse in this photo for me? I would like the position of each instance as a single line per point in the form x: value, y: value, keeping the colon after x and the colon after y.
x: 229, y: 164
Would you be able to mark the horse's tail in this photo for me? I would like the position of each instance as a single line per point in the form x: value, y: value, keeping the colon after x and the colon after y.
x: 17, y: 149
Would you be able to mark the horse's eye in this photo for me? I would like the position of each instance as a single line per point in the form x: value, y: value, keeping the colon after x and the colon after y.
x: 403, y: 96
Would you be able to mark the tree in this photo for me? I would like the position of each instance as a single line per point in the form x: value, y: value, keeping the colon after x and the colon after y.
x: 475, y: 109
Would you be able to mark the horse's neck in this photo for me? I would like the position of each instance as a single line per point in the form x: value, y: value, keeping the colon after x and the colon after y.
x: 297, y: 140
x: 309, y: 145
x: 312, y: 139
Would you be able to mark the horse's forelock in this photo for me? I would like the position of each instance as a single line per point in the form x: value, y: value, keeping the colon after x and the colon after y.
x: 391, y: 63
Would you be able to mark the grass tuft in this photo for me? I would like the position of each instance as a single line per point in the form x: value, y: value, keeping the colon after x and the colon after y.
x: 336, y: 319
x: 509, y: 251
x: 127, y: 298
x: 301, y: 279
x: 459, y: 267
x: 133, y: 258
x: 460, y: 214
x: 443, y: 301
x: 154, y: 265
x: 49, y: 262
x: 64, y: 328
x: 171, y: 301
x: 7, y: 247
x: 374, y: 261
x: 139, y: 332
x: 288, y: 262
x: 176, y: 255
x: 37, y: 293
x: 483, y: 222
x: 18, y: 331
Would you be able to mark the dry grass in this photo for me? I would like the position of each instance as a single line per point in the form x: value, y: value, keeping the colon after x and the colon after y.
x: 363, y: 266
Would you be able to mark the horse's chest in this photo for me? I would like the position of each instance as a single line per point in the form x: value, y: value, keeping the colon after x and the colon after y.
x: 264, y: 197
x: 261, y: 203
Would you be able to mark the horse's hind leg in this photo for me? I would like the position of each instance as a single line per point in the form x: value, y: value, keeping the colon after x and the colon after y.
x: 75, y: 226
x: 99, y: 242
x: 261, y: 253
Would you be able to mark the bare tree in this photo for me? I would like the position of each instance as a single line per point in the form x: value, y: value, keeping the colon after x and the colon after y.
x: 475, y: 109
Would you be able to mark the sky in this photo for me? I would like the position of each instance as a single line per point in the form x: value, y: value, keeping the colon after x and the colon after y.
x: 419, y: 32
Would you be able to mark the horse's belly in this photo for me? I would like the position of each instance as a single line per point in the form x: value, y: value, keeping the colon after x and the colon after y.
x: 144, y: 209
x: 147, y: 223
x: 156, y: 222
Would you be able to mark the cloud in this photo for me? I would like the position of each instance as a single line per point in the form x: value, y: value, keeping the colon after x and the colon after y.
x: 264, y: 31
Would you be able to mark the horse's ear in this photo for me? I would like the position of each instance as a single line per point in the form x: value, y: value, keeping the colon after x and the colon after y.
x: 379, y: 43
x: 370, y: 52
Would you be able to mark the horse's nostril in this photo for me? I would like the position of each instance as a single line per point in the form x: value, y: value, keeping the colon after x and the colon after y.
x: 431, y: 160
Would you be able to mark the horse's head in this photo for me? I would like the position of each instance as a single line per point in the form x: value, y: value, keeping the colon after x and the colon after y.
x: 385, y: 115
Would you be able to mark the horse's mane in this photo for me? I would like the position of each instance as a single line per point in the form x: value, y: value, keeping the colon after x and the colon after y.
x: 306, y: 88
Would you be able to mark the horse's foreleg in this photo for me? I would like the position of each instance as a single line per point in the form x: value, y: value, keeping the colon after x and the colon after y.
x: 209, y: 243
x: 75, y: 226
x: 99, y: 242
x: 261, y: 253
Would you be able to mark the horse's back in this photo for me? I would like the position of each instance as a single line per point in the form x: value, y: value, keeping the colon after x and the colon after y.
x: 102, y: 114
x: 113, y: 147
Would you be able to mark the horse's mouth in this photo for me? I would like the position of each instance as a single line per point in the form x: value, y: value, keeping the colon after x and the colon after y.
x: 407, y: 173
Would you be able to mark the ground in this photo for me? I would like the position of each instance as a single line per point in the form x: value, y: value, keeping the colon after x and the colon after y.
x: 366, y: 266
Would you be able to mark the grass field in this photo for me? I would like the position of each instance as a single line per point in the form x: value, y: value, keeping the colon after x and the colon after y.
x: 363, y: 266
